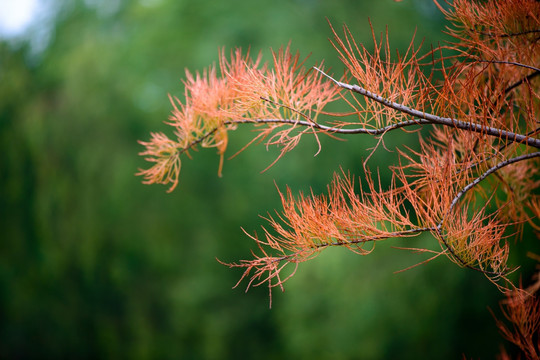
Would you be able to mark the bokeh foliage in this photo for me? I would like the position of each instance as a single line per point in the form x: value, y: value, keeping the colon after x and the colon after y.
x: 93, y: 264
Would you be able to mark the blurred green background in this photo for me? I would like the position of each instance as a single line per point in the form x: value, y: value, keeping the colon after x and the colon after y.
x: 93, y: 264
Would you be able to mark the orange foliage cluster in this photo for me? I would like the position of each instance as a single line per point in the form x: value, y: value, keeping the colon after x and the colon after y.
x: 522, y: 310
x: 473, y: 183
x: 487, y: 118
x: 246, y: 91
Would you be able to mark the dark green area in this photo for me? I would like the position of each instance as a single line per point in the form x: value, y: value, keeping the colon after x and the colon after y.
x: 93, y: 264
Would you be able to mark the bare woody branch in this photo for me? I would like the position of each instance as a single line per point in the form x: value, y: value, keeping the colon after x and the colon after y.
x: 434, y: 119
x: 490, y: 171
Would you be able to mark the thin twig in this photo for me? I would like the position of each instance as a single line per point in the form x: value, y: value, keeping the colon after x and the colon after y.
x: 199, y: 140
x: 501, y: 148
x: 330, y: 129
x: 509, y: 63
x: 358, y: 241
x: 486, y: 174
x: 521, y: 81
x: 507, y: 35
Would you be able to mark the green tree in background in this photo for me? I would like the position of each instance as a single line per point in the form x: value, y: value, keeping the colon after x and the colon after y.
x: 95, y: 265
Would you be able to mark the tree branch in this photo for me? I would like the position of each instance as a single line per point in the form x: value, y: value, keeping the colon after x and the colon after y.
x: 469, y: 187
x: 509, y: 63
x: 521, y: 81
x: 486, y: 174
x: 330, y: 129
x: 434, y: 119
x: 359, y: 241
x: 507, y: 35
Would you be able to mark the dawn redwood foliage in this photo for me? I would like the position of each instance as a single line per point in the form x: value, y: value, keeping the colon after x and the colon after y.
x: 473, y: 184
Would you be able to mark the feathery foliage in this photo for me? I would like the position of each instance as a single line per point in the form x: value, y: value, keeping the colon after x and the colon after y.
x: 473, y: 184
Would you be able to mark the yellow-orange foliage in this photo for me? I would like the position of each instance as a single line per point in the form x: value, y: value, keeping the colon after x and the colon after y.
x: 479, y: 95
x: 245, y: 91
